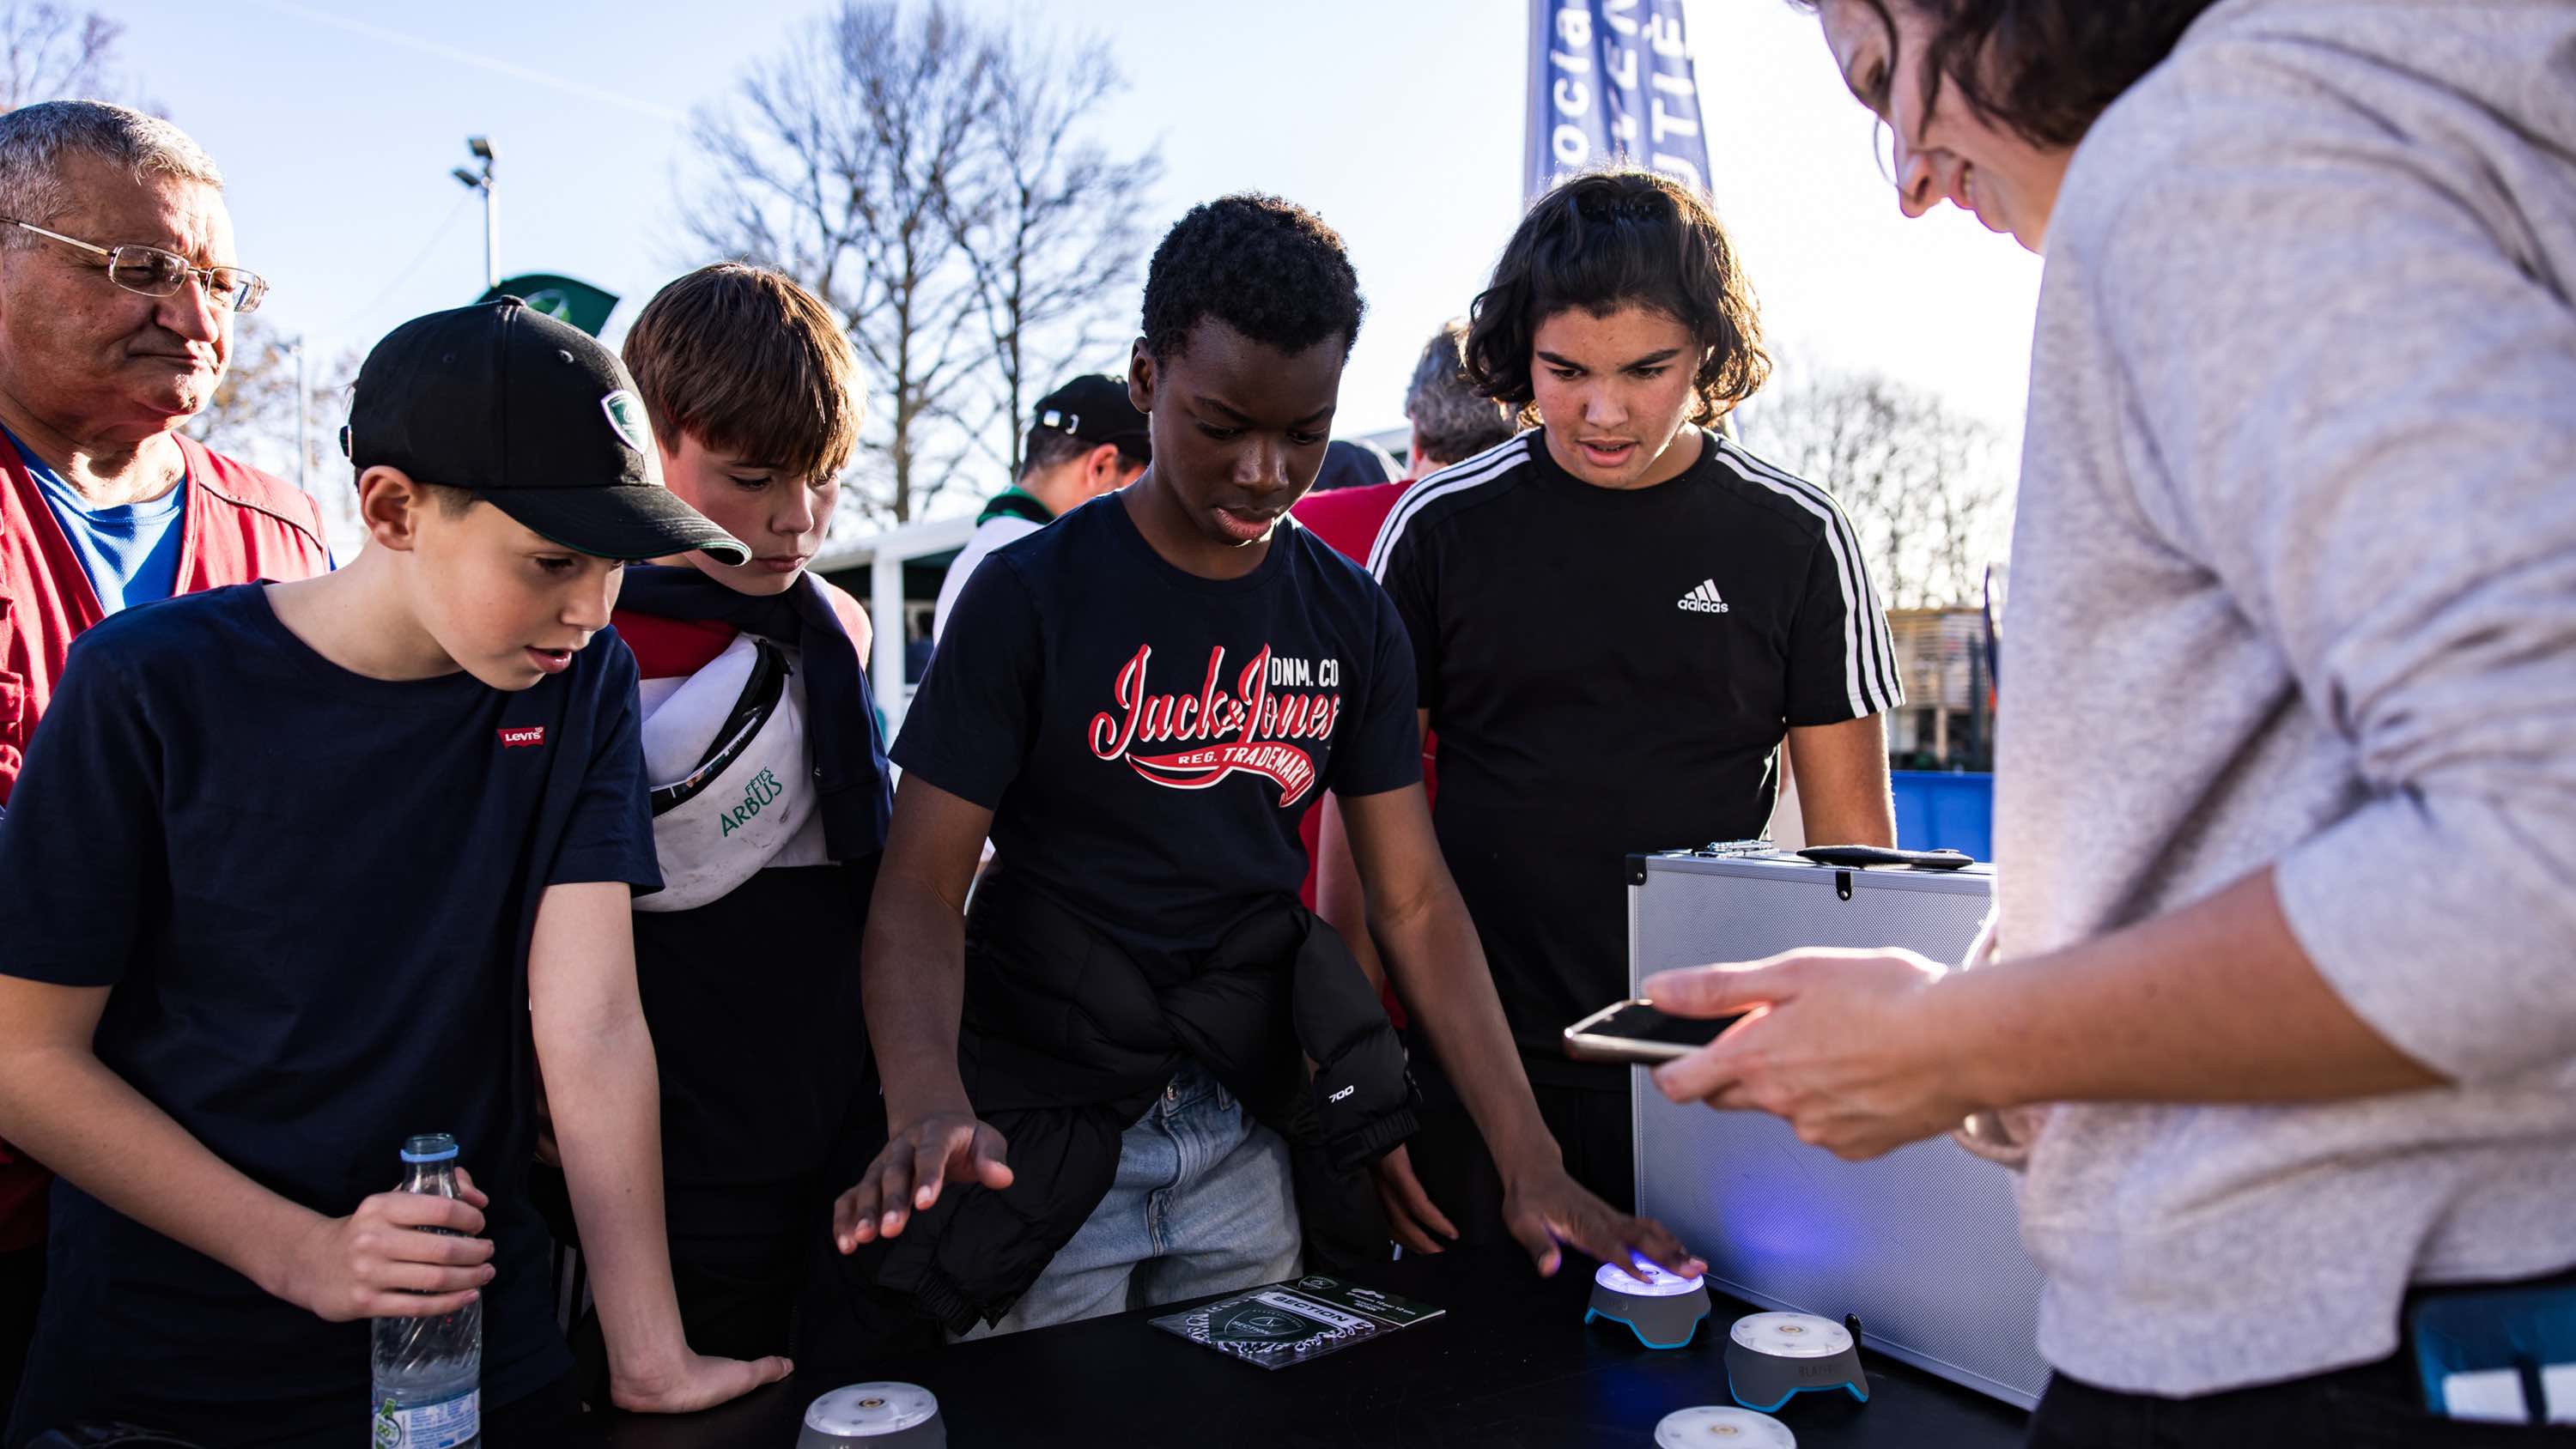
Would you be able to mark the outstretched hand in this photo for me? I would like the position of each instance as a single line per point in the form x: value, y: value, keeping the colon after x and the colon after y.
x: 693, y: 1382
x: 1548, y: 1208
x: 910, y: 1171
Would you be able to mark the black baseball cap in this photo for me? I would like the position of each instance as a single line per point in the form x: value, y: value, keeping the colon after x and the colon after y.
x: 1095, y: 409
x: 536, y: 418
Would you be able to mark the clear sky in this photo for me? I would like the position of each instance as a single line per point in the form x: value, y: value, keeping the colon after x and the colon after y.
x: 1399, y: 121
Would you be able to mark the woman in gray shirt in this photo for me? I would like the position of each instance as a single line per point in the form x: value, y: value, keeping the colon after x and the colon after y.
x: 2279, y: 1018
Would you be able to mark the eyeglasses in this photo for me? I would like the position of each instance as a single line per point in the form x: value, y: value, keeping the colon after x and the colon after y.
x: 156, y: 273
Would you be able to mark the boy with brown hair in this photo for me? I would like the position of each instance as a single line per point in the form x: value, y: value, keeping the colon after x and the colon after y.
x: 769, y: 796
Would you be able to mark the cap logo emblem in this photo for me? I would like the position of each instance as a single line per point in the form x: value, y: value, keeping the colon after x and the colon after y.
x: 626, y: 419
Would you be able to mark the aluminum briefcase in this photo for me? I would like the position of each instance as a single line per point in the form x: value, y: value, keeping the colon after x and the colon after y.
x: 1924, y: 1244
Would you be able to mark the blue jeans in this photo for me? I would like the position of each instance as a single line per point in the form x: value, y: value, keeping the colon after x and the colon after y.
x: 1201, y: 1205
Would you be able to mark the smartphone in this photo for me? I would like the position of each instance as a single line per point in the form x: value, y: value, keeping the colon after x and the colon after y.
x: 1634, y: 1031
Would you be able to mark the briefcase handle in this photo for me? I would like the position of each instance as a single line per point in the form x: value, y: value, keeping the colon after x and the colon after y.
x: 1858, y: 857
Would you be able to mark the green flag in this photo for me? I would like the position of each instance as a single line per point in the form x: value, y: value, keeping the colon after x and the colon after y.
x: 562, y: 298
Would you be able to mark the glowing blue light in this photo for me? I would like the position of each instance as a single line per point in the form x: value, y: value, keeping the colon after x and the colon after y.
x: 1648, y: 1281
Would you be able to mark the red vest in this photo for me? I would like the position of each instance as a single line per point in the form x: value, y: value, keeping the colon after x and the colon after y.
x: 239, y: 525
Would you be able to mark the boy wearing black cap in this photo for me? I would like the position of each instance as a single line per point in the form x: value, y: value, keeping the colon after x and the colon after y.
x: 1085, y: 439
x: 296, y: 869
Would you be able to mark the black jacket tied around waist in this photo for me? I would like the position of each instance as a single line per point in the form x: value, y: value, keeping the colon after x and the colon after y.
x: 1069, y: 1038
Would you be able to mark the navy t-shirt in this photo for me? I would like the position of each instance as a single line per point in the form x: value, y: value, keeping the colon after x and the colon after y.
x: 1148, y: 739
x: 311, y: 895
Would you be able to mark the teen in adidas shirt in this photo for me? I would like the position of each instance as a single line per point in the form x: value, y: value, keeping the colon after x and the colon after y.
x: 1618, y: 619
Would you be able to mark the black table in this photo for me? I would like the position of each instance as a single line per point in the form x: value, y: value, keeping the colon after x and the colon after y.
x: 1511, y: 1363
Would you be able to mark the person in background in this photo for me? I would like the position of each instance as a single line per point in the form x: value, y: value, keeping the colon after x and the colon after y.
x: 1085, y: 439
x: 1621, y: 620
x: 2279, y: 1016
x: 118, y: 288
x: 1452, y: 422
x: 1351, y: 463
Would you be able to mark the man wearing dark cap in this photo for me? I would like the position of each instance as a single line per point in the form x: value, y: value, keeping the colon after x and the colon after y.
x: 299, y: 869
x: 1085, y: 440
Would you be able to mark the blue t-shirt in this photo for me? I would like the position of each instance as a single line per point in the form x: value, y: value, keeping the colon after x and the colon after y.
x: 131, y: 551
x: 311, y: 893
x: 1148, y: 739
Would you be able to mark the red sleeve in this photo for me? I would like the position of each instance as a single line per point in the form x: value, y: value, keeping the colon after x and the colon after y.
x: 666, y: 648
x: 1349, y: 518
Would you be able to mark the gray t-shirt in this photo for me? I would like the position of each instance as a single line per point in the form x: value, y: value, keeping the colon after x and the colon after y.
x: 2295, y: 585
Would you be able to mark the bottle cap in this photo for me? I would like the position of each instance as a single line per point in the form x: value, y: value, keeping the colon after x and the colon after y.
x: 429, y: 1147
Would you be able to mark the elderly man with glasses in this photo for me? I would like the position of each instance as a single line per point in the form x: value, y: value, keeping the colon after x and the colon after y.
x: 117, y: 295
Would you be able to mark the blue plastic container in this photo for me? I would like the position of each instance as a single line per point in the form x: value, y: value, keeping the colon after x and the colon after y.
x: 1935, y: 810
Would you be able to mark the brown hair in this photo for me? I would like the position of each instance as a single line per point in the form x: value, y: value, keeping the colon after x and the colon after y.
x: 751, y: 364
x: 2042, y: 69
x: 1610, y: 239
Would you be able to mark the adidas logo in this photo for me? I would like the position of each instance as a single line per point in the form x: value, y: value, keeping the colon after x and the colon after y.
x: 1704, y: 599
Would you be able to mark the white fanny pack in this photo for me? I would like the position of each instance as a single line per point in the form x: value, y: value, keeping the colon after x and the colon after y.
x: 731, y: 790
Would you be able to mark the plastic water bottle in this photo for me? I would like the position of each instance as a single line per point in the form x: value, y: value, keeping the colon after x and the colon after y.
x: 428, y: 1372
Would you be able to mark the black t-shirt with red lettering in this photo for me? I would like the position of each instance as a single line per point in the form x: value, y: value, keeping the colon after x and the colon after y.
x: 1148, y: 739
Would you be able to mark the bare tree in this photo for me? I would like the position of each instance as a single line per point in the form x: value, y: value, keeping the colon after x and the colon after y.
x: 53, y: 54
x: 927, y: 175
x: 1047, y: 219
x: 1927, y: 486
x: 252, y: 417
x: 837, y: 168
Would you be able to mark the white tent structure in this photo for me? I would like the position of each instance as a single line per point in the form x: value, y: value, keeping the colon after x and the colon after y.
x: 883, y: 555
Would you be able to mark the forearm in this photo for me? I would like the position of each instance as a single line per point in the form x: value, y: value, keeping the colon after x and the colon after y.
x: 605, y: 1090
x: 1340, y: 899
x: 1847, y: 822
x: 912, y: 984
x: 1439, y: 966
x: 70, y: 1112
x: 2211, y: 1003
x: 1843, y: 789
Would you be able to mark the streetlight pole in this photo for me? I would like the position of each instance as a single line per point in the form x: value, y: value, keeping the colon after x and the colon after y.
x: 294, y: 348
x: 482, y: 181
x: 303, y: 424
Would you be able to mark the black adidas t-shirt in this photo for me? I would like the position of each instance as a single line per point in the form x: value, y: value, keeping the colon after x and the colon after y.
x: 1611, y: 672
x: 310, y: 894
x: 1148, y: 739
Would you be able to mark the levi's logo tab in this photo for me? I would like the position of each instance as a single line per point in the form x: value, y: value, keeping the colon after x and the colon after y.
x: 513, y: 736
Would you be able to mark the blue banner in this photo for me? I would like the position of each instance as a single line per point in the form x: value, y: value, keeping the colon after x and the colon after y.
x: 1611, y: 78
